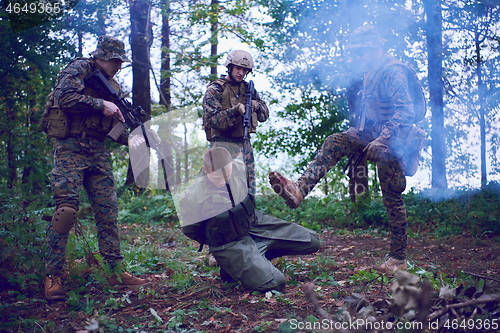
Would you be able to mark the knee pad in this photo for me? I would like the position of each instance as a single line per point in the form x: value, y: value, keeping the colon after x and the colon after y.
x: 64, y: 219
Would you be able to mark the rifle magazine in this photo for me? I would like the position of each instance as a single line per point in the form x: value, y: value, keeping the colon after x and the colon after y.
x: 116, y: 131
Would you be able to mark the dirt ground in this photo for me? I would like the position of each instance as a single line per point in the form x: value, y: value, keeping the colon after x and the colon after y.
x: 233, y: 309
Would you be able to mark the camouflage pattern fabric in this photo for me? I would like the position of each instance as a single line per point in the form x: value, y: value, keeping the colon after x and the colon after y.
x: 85, y: 104
x: 110, y: 48
x: 222, y: 115
x: 387, y: 102
x: 71, y: 84
x: 82, y: 162
x: 394, y: 83
x: 85, y: 164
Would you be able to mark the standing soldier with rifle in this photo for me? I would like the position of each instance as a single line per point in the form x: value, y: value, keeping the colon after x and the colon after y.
x: 80, y: 116
x: 232, y: 110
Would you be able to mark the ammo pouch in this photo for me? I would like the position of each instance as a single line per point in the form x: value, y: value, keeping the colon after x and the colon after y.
x: 232, y: 224
x: 54, y: 121
x: 96, y: 125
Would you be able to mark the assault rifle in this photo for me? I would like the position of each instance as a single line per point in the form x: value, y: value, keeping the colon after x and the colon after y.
x: 132, y: 117
x: 97, y: 80
x: 247, y: 118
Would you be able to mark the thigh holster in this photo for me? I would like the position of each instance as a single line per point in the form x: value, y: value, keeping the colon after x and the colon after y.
x: 232, y: 224
x: 64, y: 219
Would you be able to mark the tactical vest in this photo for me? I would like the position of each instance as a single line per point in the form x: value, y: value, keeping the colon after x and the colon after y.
x: 378, y: 105
x: 378, y: 108
x: 229, y: 100
x: 60, y: 124
x: 232, y: 224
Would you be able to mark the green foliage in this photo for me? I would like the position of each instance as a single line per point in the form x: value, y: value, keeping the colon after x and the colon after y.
x: 456, y: 212
x: 439, y: 212
x: 22, y: 243
x: 179, y: 318
x: 148, y: 207
x: 308, y: 124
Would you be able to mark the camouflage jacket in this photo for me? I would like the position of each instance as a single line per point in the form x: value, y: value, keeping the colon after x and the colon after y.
x: 387, y: 100
x: 221, y: 117
x: 82, y: 104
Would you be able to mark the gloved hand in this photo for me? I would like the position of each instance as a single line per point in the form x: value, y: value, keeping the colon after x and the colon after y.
x: 135, y: 141
x: 152, y: 134
x: 241, y: 108
x: 375, y: 149
x: 255, y: 105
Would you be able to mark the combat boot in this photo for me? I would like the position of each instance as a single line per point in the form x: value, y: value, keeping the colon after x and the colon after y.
x: 288, y: 190
x: 125, y: 278
x: 391, y: 265
x: 54, y: 288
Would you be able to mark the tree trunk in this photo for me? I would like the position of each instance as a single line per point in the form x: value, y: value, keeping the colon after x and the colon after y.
x: 140, y: 44
x: 433, y: 27
x: 165, y: 82
x: 481, y: 100
x: 214, y: 40
x: 10, y: 143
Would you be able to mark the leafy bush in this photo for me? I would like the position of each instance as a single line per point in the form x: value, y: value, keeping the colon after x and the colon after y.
x: 444, y: 213
x: 22, y: 243
x: 152, y: 206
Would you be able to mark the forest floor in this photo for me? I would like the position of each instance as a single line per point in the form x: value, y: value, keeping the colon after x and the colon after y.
x: 342, y: 268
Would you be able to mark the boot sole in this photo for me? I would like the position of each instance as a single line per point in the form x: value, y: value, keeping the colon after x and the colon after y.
x: 55, y: 297
x: 281, y: 188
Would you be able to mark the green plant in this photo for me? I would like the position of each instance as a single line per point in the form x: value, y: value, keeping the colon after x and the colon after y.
x: 263, y: 326
x: 178, y: 318
x: 367, y: 278
x: 22, y: 243
x: 181, y: 281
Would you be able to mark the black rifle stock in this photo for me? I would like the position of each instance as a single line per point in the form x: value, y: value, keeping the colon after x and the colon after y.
x: 247, y: 118
x: 97, y: 80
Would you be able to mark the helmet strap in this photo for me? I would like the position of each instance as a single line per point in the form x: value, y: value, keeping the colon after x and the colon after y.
x: 230, y: 72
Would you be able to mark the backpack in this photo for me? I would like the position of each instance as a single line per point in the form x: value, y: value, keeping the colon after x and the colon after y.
x: 419, y: 104
x: 416, y: 137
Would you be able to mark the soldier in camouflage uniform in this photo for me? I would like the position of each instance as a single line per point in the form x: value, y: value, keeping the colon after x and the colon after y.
x: 387, y: 116
x: 224, y: 107
x: 81, y: 161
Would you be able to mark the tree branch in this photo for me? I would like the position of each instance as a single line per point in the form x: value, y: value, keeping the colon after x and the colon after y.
x: 445, y: 309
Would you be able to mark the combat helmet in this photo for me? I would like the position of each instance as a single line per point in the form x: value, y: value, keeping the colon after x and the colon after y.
x: 110, y: 48
x: 240, y: 58
x: 365, y: 36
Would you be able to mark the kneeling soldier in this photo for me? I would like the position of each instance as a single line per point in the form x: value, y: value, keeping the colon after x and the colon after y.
x: 218, y: 210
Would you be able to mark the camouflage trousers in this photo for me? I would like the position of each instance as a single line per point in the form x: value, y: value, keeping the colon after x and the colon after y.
x: 390, y: 173
x: 242, y: 150
x: 85, y: 164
